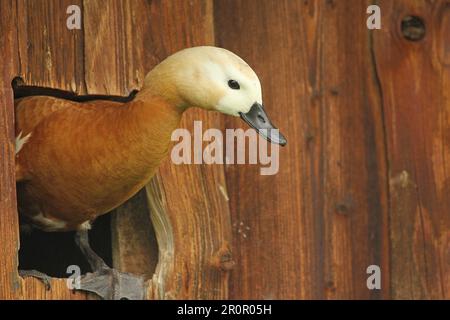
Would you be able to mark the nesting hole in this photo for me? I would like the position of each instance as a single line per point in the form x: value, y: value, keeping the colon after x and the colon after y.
x: 52, y: 252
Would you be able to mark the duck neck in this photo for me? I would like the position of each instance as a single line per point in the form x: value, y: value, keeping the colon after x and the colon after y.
x: 162, y: 82
x: 153, y: 119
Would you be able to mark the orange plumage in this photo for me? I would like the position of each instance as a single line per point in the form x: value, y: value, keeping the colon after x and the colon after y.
x: 84, y: 159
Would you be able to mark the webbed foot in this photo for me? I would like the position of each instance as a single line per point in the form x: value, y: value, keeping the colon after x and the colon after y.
x: 104, y: 281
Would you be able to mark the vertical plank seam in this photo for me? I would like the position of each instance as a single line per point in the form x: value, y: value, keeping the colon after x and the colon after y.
x: 223, y: 167
x: 444, y: 163
x: 18, y: 40
x: 83, y: 50
x: 15, y: 273
x: 379, y: 88
x: 422, y: 227
x: 442, y: 272
x: 326, y: 272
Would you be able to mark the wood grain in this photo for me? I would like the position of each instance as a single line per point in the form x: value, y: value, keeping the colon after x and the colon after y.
x: 49, y: 54
x: 322, y: 220
x: 134, y: 245
x: 414, y: 81
x: 9, y: 237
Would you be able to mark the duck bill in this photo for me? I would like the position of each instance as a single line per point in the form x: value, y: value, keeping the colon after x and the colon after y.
x: 258, y: 119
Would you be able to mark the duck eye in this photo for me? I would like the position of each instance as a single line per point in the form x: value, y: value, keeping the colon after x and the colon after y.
x: 233, y: 84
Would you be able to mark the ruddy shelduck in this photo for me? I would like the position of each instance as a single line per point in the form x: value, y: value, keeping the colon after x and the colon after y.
x: 76, y: 161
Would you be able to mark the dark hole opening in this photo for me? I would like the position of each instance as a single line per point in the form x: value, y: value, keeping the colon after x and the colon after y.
x: 21, y: 90
x: 52, y: 252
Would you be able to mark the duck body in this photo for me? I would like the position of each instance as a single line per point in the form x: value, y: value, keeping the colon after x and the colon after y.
x: 82, y: 160
x: 78, y: 160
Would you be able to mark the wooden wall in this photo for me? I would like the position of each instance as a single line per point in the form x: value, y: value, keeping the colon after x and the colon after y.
x: 363, y: 180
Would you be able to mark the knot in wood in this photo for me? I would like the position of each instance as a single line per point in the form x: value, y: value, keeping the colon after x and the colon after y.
x: 413, y: 28
x: 223, y: 259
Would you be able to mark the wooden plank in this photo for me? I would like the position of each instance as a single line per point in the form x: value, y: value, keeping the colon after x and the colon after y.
x: 414, y: 80
x: 313, y: 229
x: 125, y: 40
x: 134, y: 244
x: 50, y: 55
x: 9, y: 280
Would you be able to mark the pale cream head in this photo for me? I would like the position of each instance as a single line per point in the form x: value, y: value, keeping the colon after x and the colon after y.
x: 200, y: 77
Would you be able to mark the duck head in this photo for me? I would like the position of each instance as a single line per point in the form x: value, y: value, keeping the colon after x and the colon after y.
x: 214, y: 79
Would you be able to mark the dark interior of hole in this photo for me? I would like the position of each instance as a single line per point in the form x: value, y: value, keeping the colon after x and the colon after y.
x: 53, y: 252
